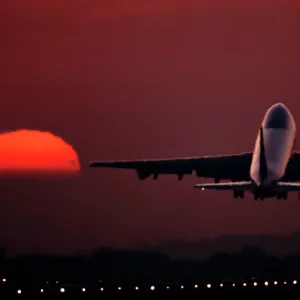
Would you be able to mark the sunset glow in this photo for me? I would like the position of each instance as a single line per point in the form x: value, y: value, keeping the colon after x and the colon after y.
x: 32, y: 151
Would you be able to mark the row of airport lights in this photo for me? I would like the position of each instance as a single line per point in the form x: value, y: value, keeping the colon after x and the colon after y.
x: 152, y: 288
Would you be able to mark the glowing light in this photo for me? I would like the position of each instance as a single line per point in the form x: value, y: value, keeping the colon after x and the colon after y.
x: 209, y: 286
x: 152, y: 288
x: 119, y: 288
x: 196, y: 286
x: 233, y: 284
x: 284, y: 282
x: 275, y: 282
x: 244, y: 284
x: 203, y: 189
x: 83, y: 289
x: 221, y: 284
x: 295, y: 282
x: 266, y: 283
x: 42, y: 290
x: 102, y: 289
x: 136, y: 288
x: 62, y: 290
x: 19, y: 292
x: 168, y: 287
x: 31, y: 151
x: 4, y: 280
x: 56, y: 282
x: 255, y: 283
x: 182, y: 287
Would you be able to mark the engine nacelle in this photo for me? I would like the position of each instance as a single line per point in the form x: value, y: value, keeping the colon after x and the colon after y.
x: 143, y: 174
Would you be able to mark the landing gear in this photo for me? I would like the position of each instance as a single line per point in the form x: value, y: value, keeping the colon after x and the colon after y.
x: 238, y: 194
x: 282, y: 195
x: 258, y: 196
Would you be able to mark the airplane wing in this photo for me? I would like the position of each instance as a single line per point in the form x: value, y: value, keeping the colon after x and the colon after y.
x: 227, y: 186
x: 234, y: 167
x: 287, y: 187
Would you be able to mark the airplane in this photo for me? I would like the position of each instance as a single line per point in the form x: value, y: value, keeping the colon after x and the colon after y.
x: 270, y: 170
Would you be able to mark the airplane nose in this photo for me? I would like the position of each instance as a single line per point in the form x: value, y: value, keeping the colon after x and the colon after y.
x: 277, y: 116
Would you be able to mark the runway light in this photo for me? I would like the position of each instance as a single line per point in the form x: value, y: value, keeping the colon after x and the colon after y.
x: 284, y: 282
x: 4, y: 280
x: 255, y: 283
x: 152, y: 288
x: 196, y: 286
x: 62, y: 290
x: 182, y: 287
x: 275, y: 282
x: 244, y: 284
x: 102, y: 289
x: 266, y: 283
x: 19, y: 292
x: 233, y: 284
x: 295, y: 282
x: 83, y: 290
x: 221, y: 284
x: 42, y: 290
x: 209, y: 286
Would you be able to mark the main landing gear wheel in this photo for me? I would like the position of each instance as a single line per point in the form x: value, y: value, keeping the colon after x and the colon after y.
x: 238, y: 194
x: 282, y: 195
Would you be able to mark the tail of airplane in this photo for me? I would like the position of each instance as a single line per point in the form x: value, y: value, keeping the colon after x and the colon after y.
x: 263, y: 167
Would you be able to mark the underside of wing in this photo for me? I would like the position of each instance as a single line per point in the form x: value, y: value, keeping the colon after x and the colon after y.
x: 228, y: 186
x: 234, y: 167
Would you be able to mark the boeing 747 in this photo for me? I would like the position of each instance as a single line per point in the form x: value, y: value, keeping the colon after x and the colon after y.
x: 270, y: 170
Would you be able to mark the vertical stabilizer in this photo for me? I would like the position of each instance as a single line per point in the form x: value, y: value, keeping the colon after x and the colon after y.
x: 263, y: 168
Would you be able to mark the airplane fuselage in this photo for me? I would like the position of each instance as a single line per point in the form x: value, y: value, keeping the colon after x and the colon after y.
x: 274, y: 146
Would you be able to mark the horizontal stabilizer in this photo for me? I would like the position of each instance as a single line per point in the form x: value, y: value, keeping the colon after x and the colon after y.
x: 227, y: 186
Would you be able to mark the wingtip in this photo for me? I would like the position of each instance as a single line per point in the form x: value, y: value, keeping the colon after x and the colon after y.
x: 199, y: 186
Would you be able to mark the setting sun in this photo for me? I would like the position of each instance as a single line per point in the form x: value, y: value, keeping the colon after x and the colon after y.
x: 33, y: 151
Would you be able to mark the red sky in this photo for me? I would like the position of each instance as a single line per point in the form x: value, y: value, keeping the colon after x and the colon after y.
x: 127, y: 80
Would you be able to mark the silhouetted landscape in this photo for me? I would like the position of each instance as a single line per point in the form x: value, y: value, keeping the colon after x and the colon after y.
x: 137, y: 266
x: 111, y: 267
x: 277, y: 245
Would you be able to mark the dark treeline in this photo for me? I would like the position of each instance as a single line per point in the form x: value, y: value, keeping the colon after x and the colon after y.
x: 139, y: 267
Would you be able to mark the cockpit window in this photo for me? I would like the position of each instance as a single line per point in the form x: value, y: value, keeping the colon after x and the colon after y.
x: 277, y: 117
